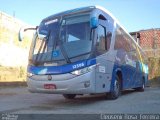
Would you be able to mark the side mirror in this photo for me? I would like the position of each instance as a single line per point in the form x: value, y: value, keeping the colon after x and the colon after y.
x: 21, y: 34
x: 22, y: 30
x: 94, y: 22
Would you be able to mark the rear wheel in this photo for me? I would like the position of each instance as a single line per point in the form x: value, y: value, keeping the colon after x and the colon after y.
x: 116, y: 89
x: 69, y: 96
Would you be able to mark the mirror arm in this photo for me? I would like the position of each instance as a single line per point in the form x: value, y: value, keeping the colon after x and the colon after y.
x: 22, y: 30
x: 31, y: 29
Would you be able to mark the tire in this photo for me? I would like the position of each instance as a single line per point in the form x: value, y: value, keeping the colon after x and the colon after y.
x: 116, y: 89
x: 69, y: 96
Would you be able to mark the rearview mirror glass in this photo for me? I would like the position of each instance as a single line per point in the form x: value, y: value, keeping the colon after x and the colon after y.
x: 21, y: 34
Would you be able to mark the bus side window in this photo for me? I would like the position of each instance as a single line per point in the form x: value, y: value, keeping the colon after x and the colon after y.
x: 101, y: 48
x: 108, y: 40
x: 122, y: 46
x: 104, y: 35
x: 121, y: 41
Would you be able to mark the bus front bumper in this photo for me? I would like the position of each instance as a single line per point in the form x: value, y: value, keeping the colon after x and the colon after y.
x: 83, y: 84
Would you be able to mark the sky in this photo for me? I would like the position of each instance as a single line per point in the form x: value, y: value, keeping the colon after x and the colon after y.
x: 134, y: 15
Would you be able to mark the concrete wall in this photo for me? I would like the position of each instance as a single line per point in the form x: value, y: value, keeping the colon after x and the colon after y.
x: 13, y: 52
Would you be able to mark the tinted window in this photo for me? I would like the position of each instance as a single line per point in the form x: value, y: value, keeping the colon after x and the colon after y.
x: 101, y: 48
x: 121, y: 41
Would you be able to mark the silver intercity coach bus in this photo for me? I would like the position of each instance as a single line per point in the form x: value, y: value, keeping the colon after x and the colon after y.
x: 84, y: 51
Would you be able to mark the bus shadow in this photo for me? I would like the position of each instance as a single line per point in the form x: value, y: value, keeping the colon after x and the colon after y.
x: 62, y: 103
x: 100, y: 97
x: 128, y: 92
x: 89, y: 99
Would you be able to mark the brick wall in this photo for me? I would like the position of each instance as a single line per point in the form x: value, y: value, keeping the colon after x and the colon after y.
x: 150, y: 42
x: 150, y: 39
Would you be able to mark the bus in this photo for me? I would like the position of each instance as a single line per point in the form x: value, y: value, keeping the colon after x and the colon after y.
x: 84, y: 51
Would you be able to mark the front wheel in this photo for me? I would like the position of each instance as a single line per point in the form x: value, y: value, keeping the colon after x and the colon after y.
x: 115, y: 93
x: 69, y: 96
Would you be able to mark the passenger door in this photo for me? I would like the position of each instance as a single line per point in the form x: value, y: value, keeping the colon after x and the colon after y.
x: 102, y: 46
x: 100, y: 50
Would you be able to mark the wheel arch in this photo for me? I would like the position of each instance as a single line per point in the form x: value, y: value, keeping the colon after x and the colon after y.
x: 117, y: 72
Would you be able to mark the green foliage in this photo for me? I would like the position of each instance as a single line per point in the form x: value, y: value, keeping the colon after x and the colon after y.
x: 154, y: 68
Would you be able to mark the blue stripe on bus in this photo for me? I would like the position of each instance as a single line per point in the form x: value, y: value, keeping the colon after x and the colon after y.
x: 41, y: 70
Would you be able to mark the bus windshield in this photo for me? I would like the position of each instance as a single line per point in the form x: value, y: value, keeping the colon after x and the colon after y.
x: 61, y: 40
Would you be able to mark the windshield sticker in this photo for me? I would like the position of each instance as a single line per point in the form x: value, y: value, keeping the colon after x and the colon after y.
x: 51, y: 21
x: 55, y: 53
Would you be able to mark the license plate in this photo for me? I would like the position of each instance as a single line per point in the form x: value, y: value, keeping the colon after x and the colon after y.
x: 49, y: 86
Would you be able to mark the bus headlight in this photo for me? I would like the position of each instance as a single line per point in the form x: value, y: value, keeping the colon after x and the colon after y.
x: 82, y: 71
x: 29, y: 74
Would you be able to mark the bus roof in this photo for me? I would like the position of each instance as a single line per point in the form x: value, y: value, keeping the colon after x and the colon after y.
x: 90, y: 8
x: 72, y: 11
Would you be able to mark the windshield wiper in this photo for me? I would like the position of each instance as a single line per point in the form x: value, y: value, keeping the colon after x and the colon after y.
x: 39, y: 50
x: 64, y: 52
x: 45, y: 42
x: 61, y: 45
